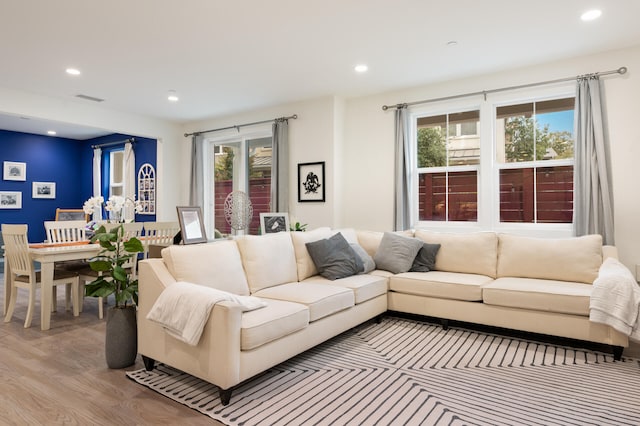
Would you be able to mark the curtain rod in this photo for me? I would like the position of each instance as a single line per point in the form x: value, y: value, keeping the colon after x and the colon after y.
x: 237, y: 126
x: 621, y: 70
x: 103, y: 145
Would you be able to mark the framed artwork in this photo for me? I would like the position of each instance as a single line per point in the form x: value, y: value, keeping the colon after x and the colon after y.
x: 15, y: 171
x: 10, y: 200
x: 191, y: 225
x: 311, y: 184
x: 44, y: 190
x: 71, y: 214
x: 270, y: 223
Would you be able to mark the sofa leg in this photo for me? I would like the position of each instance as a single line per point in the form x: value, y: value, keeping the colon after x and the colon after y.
x: 149, y: 363
x: 378, y: 319
x: 225, y: 396
x: 617, y: 353
x: 445, y: 324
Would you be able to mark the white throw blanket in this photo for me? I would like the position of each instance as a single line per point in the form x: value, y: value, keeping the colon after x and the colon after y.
x: 183, y: 308
x: 615, y: 299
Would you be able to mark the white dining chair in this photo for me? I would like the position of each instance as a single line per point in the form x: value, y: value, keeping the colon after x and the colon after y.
x: 160, y: 233
x: 24, y: 275
x: 67, y: 231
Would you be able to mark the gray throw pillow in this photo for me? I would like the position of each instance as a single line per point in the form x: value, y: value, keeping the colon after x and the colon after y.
x: 425, y: 260
x: 334, y: 258
x: 396, y: 252
x: 367, y: 261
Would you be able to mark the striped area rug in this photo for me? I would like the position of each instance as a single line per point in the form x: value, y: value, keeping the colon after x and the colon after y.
x: 406, y: 372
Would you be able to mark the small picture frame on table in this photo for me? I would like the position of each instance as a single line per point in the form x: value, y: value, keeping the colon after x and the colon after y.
x: 270, y: 223
x: 43, y: 190
x: 311, y: 183
x: 191, y: 225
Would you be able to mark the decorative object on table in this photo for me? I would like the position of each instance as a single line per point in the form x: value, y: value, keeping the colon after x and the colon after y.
x: 43, y: 190
x: 115, y: 207
x: 298, y: 227
x: 311, y: 183
x: 191, y: 225
x: 71, y: 214
x: 121, y: 342
x: 10, y: 200
x: 271, y: 223
x: 147, y: 189
x: 15, y: 171
x: 238, y: 210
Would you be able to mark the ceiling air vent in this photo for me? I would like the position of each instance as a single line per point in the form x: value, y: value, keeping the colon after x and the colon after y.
x: 90, y: 98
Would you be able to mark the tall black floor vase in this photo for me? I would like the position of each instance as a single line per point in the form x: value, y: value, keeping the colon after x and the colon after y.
x: 121, y: 343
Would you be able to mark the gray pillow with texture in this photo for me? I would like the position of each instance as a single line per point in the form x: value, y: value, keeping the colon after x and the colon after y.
x: 396, y: 252
x: 367, y: 261
x: 334, y: 258
x: 425, y: 260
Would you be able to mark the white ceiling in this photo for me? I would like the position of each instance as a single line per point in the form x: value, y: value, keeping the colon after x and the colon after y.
x: 223, y: 57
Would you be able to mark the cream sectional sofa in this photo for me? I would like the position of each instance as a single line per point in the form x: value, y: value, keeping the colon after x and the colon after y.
x: 528, y: 284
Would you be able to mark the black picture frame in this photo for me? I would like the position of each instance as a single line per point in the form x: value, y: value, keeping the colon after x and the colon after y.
x: 191, y: 225
x: 311, y: 182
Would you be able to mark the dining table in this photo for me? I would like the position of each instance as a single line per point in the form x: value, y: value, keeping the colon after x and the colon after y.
x: 48, y: 254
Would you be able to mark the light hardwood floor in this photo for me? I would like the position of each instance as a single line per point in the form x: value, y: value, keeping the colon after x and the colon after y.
x: 60, y: 376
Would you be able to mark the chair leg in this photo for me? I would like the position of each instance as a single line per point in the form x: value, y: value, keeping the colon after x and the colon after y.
x: 12, y: 303
x: 30, y: 307
x: 81, y: 295
x: 75, y: 294
x: 100, y: 308
x: 54, y: 299
x: 67, y: 296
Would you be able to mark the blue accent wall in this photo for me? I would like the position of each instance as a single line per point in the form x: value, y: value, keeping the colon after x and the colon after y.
x: 68, y: 163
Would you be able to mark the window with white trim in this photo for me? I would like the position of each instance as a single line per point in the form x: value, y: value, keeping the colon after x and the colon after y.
x: 116, y: 173
x: 503, y: 164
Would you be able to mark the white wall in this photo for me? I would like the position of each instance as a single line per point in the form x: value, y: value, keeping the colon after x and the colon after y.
x: 367, y: 152
x: 311, y: 139
x: 83, y: 114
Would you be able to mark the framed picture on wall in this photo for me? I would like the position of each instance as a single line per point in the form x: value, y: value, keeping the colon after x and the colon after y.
x: 270, y: 223
x: 15, y: 171
x: 10, y: 200
x: 43, y: 190
x: 311, y: 184
x: 191, y: 225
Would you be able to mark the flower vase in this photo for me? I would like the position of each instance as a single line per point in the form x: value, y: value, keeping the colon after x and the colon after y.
x: 121, y: 342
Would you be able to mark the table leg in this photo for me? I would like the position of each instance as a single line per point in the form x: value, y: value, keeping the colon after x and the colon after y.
x: 7, y: 285
x: 46, y: 287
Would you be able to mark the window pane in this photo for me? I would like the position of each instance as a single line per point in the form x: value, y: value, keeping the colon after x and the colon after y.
x: 464, y: 144
x: 259, y: 179
x: 554, y: 194
x: 516, y: 195
x: 224, y: 159
x: 431, y: 147
x: 462, y: 197
x: 514, y: 132
x: 554, y: 134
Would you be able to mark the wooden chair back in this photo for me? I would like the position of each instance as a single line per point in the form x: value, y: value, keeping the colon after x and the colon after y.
x: 161, y: 233
x: 65, y: 231
x: 16, y: 246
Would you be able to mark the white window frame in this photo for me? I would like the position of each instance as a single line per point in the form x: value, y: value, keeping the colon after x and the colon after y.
x: 241, y: 164
x: 112, y: 177
x: 488, y: 168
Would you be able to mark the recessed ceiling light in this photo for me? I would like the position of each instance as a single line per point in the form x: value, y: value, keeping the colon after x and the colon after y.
x: 173, y: 96
x: 590, y: 15
x: 452, y: 43
x: 51, y: 132
x: 361, y: 68
x: 73, y: 71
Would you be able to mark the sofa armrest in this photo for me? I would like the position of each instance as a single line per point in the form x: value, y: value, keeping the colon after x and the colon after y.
x: 609, y: 251
x: 216, y: 357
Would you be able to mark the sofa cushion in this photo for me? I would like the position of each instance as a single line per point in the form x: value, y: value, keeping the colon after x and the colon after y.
x: 396, y: 252
x: 470, y: 253
x: 268, y: 260
x: 539, y: 295
x: 322, y: 300
x: 565, y: 259
x: 364, y: 286
x: 216, y: 265
x: 425, y: 260
x: 349, y: 234
x: 334, y: 257
x: 445, y: 285
x: 370, y: 241
x: 304, y: 263
x: 277, y: 319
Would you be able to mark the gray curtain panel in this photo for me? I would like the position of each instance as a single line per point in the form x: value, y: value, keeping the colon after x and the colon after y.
x: 196, y: 185
x: 593, y: 197
x: 403, y: 162
x: 280, y: 166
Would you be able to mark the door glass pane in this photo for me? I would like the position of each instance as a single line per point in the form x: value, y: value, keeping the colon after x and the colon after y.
x: 260, y: 161
x: 225, y: 181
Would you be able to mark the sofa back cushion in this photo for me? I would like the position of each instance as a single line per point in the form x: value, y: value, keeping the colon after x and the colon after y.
x: 305, y: 266
x: 565, y: 259
x: 216, y: 265
x: 469, y: 253
x: 268, y: 260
